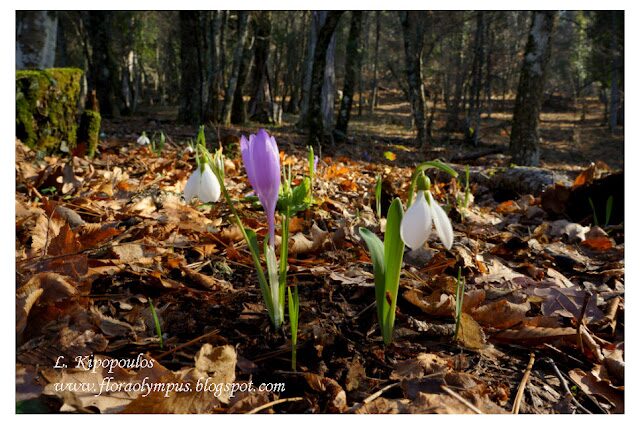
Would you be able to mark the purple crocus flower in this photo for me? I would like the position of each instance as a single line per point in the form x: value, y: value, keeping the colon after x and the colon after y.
x: 315, y: 163
x: 261, y: 159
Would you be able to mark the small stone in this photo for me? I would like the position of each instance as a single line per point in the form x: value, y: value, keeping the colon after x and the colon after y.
x: 573, y: 231
x: 419, y: 257
x: 596, y: 232
x: 534, y: 212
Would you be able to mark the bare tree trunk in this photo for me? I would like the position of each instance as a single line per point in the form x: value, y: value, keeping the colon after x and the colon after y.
x: 222, y: 47
x: 475, y: 103
x: 61, y: 50
x: 103, y: 72
x: 261, y: 103
x: 36, y: 36
x: 354, y: 58
x: 614, y: 97
x: 243, y: 30
x: 488, y: 86
x: 238, y: 107
x: 374, y: 83
x: 524, y: 143
x: 453, y: 113
x: 364, y: 65
x: 295, y: 64
x: 329, y: 85
x: 317, y: 20
x: 213, y: 27
x: 314, y: 117
x: 413, y: 32
x: 278, y: 63
x: 192, y: 79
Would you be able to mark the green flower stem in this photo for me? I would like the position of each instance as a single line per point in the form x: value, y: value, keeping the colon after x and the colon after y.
x: 311, y: 160
x: 284, y: 255
x: 264, y: 287
x: 294, y: 311
x: 420, y: 169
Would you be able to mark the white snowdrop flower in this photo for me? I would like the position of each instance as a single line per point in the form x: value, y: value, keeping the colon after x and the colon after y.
x: 202, y: 184
x: 420, y: 217
x: 189, y: 149
x: 143, y: 140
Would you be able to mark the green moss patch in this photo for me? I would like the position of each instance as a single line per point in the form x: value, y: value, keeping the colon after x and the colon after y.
x: 46, y: 107
x: 89, y: 131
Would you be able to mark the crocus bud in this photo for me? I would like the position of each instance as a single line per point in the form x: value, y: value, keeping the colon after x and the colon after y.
x: 218, y: 162
x: 202, y: 184
x: 420, y: 217
x: 262, y: 162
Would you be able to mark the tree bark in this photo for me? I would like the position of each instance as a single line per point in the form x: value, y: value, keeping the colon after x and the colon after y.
x: 315, y: 119
x: 329, y: 85
x: 363, y: 63
x: 317, y: 20
x: 374, y: 83
x: 354, y: 60
x: 524, y: 143
x: 453, y: 109
x: 103, y: 72
x: 238, y: 107
x: 475, y: 104
x: 36, y: 37
x: 261, y: 103
x: 214, y: 73
x: 614, y: 97
x: 413, y: 32
x: 243, y: 30
x: 488, y: 80
x: 192, y: 77
x: 295, y: 65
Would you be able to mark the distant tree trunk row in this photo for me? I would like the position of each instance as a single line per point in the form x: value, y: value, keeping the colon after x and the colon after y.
x: 454, y: 68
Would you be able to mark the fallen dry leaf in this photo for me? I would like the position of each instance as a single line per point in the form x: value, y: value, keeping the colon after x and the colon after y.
x: 601, y: 389
x: 500, y: 314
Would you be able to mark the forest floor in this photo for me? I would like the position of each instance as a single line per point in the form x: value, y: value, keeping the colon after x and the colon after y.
x: 101, y: 240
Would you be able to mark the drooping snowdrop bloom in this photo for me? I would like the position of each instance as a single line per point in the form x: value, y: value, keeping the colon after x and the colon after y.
x: 419, y: 219
x: 143, y: 139
x: 202, y: 184
x: 261, y: 160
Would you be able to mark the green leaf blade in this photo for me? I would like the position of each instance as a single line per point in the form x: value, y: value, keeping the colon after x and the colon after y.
x: 376, y: 251
x: 393, y: 253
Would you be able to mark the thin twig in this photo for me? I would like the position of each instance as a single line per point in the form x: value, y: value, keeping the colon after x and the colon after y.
x: 364, y: 310
x: 523, y: 385
x: 372, y: 397
x: 565, y: 386
x: 186, y: 344
x: 569, y: 356
x: 273, y: 403
x: 580, y: 323
x: 460, y: 399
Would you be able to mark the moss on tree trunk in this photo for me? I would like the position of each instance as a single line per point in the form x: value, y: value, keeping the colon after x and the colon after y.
x: 89, y: 131
x: 46, y: 107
